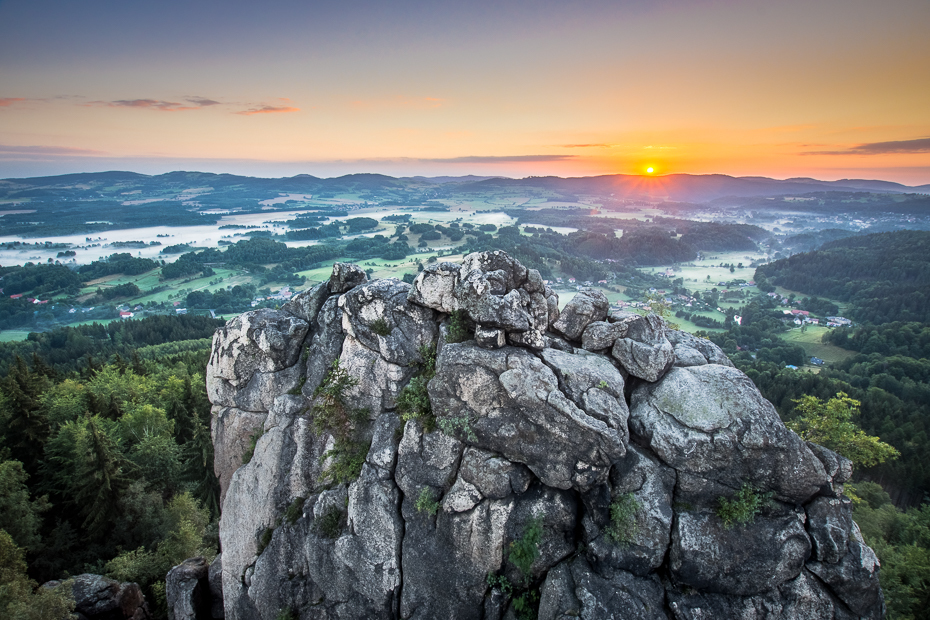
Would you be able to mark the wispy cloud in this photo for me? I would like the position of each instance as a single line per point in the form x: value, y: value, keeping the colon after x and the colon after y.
x: 146, y: 104
x: 8, y: 151
x: 918, y: 145
x: 161, y: 105
x: 8, y: 101
x: 202, y: 102
x: 497, y: 159
x: 268, y: 109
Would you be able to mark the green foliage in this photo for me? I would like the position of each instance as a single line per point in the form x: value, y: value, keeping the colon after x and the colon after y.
x: 253, y: 440
x: 500, y: 582
x: 184, y: 524
x: 330, y: 523
x: 295, y: 510
x: 264, y: 540
x: 345, y: 460
x: 20, y: 517
x: 452, y: 425
x: 830, y: 425
x: 426, y: 502
x: 884, y: 276
x: 413, y: 401
x: 288, y: 613
x: 525, y: 550
x: 743, y: 508
x: 380, y: 327
x: 623, y: 526
x: 459, y: 329
x: 19, y: 597
x: 901, y: 539
x: 332, y: 414
x: 525, y: 604
x: 66, y: 348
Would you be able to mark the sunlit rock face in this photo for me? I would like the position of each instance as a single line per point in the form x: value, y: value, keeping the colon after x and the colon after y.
x: 601, y: 442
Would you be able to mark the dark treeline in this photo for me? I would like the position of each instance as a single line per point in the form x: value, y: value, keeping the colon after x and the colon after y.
x: 123, y: 263
x: 68, y: 349
x: 884, y: 276
x: 238, y: 298
x: 908, y: 339
x: 108, y: 470
x: 251, y: 254
x: 807, y: 241
x: 45, y: 280
x: 716, y: 237
x: 63, y: 216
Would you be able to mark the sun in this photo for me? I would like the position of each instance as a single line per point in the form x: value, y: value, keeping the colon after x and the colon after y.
x: 650, y: 169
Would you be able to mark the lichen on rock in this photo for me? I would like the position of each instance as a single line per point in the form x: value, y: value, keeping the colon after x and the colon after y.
x: 545, y: 422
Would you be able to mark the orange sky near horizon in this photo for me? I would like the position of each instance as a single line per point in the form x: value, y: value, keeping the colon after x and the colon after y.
x: 825, y: 88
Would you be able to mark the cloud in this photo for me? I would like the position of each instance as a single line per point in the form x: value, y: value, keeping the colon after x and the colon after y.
x: 12, y: 152
x: 202, y: 101
x: 146, y: 104
x: 158, y: 104
x: 918, y: 145
x: 8, y: 101
x: 268, y: 109
x: 497, y: 159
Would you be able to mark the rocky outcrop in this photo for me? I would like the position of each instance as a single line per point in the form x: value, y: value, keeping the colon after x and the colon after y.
x: 187, y: 588
x: 570, y: 464
x: 100, y: 598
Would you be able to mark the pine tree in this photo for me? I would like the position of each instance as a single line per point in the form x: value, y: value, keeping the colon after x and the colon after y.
x: 101, y: 476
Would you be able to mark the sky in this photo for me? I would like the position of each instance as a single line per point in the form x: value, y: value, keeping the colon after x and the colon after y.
x: 828, y: 89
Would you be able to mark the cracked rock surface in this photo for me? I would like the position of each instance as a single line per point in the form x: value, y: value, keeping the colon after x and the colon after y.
x: 602, y: 442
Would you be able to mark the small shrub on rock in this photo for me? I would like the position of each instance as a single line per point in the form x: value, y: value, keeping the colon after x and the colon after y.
x: 743, y: 508
x: 331, y: 414
x: 459, y: 330
x: 295, y: 510
x: 623, y: 526
x: 525, y: 550
x: 250, y: 451
x: 413, y: 401
x: 330, y: 523
x: 426, y: 502
x: 380, y: 327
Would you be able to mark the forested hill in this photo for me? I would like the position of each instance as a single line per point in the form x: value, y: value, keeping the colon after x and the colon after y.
x: 885, y: 276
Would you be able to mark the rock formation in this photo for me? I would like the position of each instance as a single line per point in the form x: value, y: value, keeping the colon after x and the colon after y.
x: 565, y: 464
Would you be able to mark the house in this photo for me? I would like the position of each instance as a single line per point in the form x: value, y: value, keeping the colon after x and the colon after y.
x: 180, y: 310
x: 737, y: 319
x: 791, y: 366
x: 571, y: 280
x: 816, y: 361
x: 16, y: 296
x: 125, y: 315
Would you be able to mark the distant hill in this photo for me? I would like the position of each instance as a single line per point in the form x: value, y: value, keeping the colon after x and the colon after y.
x: 674, y: 187
x: 884, y: 276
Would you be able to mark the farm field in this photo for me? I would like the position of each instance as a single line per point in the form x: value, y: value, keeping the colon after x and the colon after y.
x: 809, y: 340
